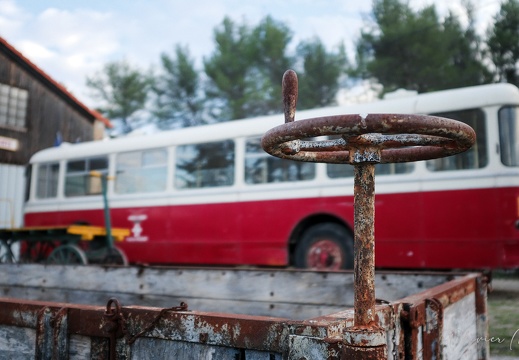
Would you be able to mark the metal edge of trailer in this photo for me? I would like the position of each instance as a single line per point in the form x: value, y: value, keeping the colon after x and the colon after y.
x: 444, y: 321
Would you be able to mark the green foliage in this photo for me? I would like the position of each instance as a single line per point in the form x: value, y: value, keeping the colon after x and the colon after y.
x: 398, y: 48
x: 319, y: 82
x: 122, y: 88
x: 246, y: 67
x: 178, y: 93
x: 271, y: 39
x: 417, y: 51
x: 243, y: 78
x: 228, y: 70
x: 503, y: 42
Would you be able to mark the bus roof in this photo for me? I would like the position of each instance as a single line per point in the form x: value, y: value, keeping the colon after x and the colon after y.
x: 434, y: 102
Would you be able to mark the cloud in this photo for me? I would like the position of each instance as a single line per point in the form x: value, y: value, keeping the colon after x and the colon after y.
x: 76, y: 39
x: 12, y: 17
x: 36, y: 50
x: 66, y: 44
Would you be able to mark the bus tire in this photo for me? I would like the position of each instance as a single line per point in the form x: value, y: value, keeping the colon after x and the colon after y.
x: 326, y: 246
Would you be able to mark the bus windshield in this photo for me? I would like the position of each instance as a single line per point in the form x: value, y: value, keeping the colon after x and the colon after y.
x: 509, y: 135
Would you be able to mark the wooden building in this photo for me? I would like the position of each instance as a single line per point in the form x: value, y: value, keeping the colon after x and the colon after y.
x: 36, y: 112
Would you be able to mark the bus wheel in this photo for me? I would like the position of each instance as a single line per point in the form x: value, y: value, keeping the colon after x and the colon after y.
x: 67, y: 255
x: 326, y: 246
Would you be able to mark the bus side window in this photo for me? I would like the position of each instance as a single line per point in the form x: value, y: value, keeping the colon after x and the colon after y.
x: 47, y: 181
x: 204, y: 165
x: 475, y: 157
x: 335, y: 171
x: 509, y: 135
x: 261, y: 168
x: 78, y: 181
x: 141, y: 171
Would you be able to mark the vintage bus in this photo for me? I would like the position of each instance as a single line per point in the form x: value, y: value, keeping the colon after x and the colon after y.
x: 210, y: 195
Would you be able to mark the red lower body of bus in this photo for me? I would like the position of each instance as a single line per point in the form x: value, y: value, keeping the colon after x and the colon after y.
x: 460, y: 229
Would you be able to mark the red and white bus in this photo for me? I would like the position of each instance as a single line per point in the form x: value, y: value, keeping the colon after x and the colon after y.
x: 210, y: 195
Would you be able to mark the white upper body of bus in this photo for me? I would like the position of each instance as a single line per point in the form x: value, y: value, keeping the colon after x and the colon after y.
x: 221, y: 158
x: 435, y: 102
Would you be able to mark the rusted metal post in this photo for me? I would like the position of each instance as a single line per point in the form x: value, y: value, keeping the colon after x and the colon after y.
x: 365, y: 340
x: 364, y: 265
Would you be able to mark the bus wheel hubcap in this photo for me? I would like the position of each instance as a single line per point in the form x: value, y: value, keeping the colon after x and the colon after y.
x: 325, y: 254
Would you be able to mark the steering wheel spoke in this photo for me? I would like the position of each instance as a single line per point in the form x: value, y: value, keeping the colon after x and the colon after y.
x: 396, y: 137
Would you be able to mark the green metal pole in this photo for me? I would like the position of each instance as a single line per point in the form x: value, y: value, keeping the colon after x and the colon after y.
x: 108, y: 223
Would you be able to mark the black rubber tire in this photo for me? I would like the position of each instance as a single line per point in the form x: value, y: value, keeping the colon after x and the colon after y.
x: 332, y: 232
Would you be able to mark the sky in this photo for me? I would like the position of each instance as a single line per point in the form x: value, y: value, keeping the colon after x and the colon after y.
x: 73, y: 39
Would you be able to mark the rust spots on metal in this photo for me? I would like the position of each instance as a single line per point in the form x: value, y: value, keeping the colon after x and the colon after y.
x: 481, y: 295
x: 364, y: 244
x: 433, y: 329
x: 114, y: 324
x: 43, y: 333
x: 364, y: 353
x: 60, y: 337
x: 182, y: 307
x: 399, y: 138
x: 289, y: 88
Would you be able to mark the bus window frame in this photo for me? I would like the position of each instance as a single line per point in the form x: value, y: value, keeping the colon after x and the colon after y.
x: 500, y: 136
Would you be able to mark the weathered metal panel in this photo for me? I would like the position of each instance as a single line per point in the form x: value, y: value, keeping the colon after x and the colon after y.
x: 433, y: 329
x: 261, y: 355
x: 458, y: 326
x: 305, y: 347
x: 442, y: 322
x: 79, y: 347
x: 17, y: 343
x: 164, y: 349
x: 12, y: 190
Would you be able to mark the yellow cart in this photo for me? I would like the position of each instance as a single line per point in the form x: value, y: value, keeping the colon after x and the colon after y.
x: 73, y: 244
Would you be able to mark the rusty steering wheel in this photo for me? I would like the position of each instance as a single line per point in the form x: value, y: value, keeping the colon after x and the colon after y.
x: 369, y: 138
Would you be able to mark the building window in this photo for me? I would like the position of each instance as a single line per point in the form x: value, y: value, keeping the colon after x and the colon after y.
x: 13, y: 106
